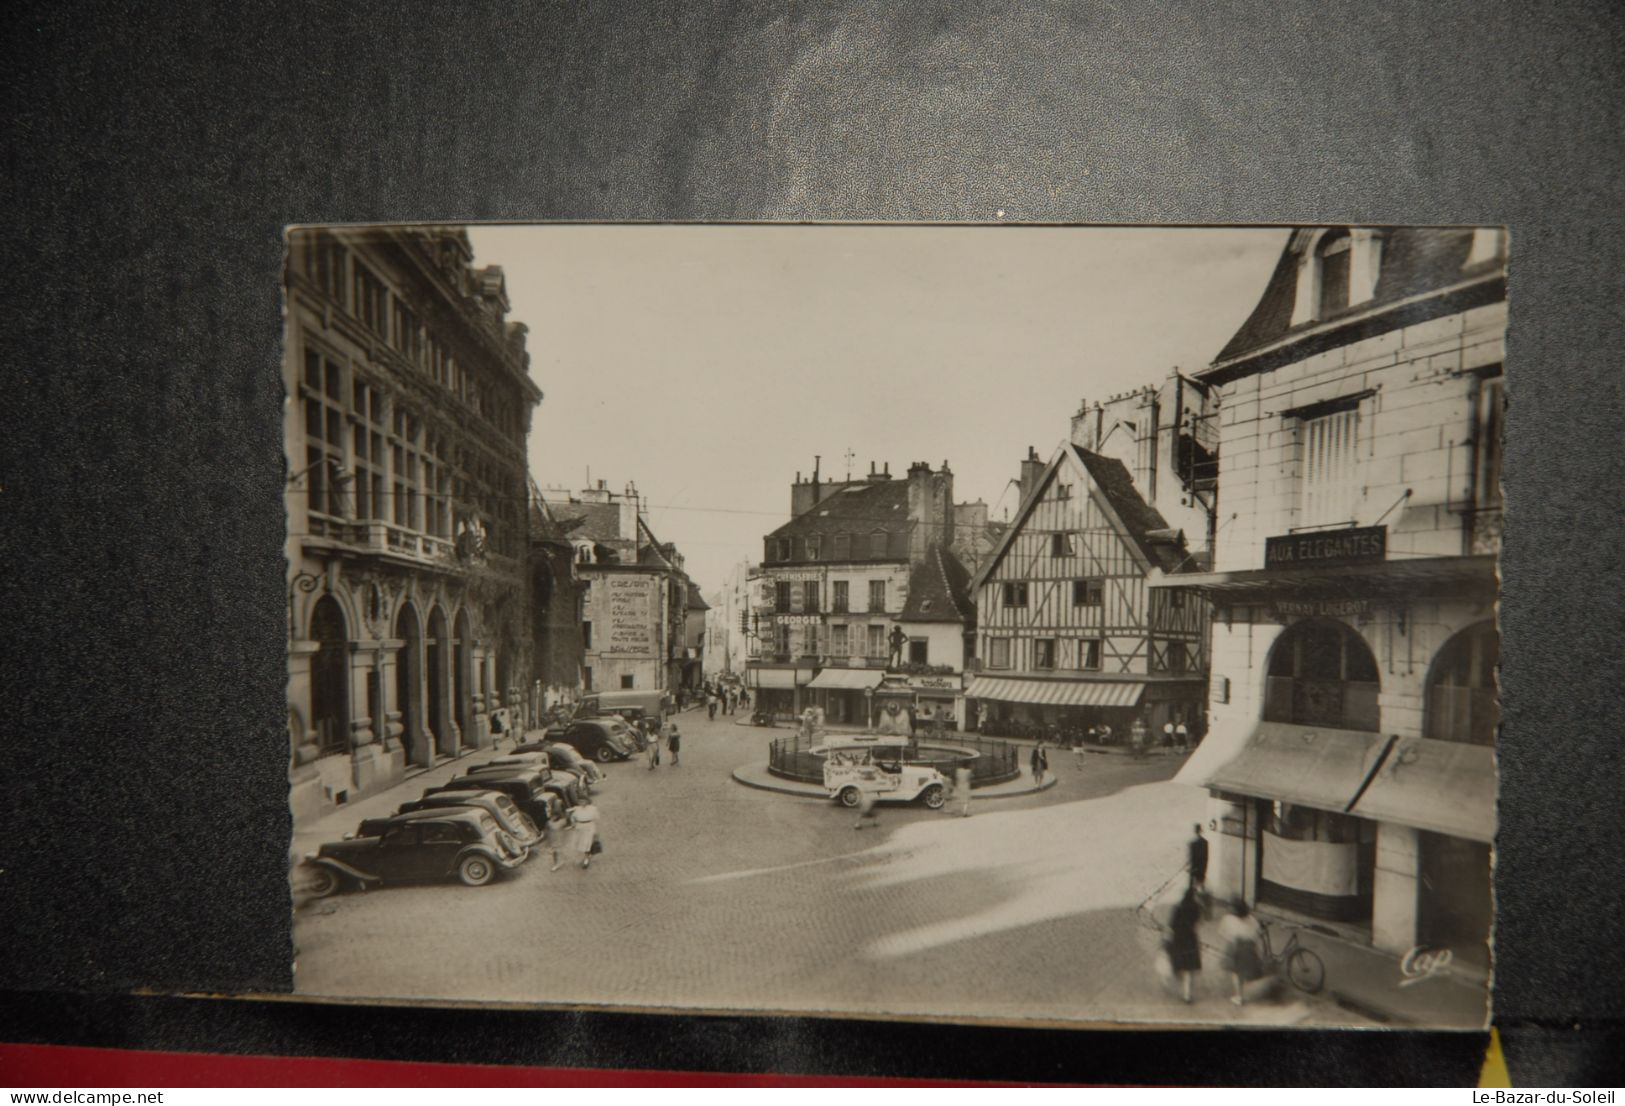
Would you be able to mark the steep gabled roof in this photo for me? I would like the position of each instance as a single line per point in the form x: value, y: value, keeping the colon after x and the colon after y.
x: 938, y: 589
x: 1135, y: 519
x: 597, y: 522
x: 857, y: 508
x: 696, y: 601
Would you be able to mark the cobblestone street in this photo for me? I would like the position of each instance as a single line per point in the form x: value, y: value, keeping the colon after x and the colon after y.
x: 713, y: 895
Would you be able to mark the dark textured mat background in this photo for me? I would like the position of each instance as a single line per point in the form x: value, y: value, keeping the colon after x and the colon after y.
x: 153, y: 155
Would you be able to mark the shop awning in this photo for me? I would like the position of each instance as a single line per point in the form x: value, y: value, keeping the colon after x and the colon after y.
x: 777, y: 677
x: 1397, y: 578
x: 1444, y: 786
x: 1311, y: 765
x: 848, y: 679
x: 1057, y: 693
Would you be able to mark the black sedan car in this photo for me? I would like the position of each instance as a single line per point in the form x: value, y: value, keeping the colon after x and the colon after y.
x: 602, y: 740
x: 527, y: 790
x: 506, y: 812
x: 423, y: 845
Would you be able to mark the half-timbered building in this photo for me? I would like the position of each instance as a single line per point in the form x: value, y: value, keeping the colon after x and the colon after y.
x: 1069, y: 635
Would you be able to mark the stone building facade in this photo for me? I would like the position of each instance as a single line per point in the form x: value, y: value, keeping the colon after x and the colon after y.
x: 1352, y: 700
x: 409, y: 406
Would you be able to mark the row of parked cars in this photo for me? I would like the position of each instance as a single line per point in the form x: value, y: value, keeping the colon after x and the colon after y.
x: 482, y: 822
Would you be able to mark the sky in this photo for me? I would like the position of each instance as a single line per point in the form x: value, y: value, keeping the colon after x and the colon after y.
x: 708, y: 365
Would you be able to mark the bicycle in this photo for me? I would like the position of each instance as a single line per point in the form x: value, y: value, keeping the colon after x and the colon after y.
x: 1303, y: 966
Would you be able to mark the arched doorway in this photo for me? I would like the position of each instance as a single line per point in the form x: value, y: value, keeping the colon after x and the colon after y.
x: 409, y: 686
x: 1322, y: 673
x: 329, y: 678
x: 437, y: 658
x: 462, y: 676
x: 1461, y: 697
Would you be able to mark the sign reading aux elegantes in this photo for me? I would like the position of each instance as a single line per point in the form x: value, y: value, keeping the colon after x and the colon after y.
x: 1327, y: 548
x: 634, y: 607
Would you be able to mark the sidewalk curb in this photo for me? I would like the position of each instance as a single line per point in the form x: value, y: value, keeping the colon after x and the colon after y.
x: 747, y: 775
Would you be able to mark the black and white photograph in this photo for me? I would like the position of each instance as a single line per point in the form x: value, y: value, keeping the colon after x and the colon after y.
x: 1055, y: 625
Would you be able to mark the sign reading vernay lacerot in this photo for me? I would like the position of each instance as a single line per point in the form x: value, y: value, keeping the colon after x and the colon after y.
x: 1327, y: 548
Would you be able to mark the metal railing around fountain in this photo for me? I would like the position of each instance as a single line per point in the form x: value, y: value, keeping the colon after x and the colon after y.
x: 994, y: 761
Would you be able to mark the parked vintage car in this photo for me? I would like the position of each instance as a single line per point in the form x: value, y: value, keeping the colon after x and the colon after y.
x: 564, y: 758
x: 602, y: 740
x: 528, y: 792
x: 568, y: 786
x: 892, y: 781
x: 423, y: 845
x: 494, y: 803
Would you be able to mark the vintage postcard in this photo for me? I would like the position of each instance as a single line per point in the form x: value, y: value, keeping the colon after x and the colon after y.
x: 1064, y: 625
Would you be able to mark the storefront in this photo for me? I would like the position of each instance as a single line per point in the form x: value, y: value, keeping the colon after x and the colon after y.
x: 939, y: 701
x: 844, y: 693
x: 779, y: 691
x: 1071, y: 707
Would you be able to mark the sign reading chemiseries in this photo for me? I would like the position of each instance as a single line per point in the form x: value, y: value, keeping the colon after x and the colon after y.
x: 634, y: 608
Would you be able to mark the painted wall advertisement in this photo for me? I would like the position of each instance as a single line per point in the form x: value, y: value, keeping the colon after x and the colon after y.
x: 634, y: 609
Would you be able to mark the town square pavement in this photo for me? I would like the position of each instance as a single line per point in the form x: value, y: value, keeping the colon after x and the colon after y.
x: 711, y: 895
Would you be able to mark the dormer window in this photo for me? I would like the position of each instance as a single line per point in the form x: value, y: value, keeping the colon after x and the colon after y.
x: 784, y: 549
x: 1337, y: 270
x: 814, y: 545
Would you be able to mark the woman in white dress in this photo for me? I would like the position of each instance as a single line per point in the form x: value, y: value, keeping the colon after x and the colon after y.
x: 585, y: 820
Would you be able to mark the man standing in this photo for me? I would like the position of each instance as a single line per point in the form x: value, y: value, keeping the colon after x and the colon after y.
x: 1196, y: 860
x: 962, y: 789
x: 674, y: 743
x: 1182, y: 737
x: 654, y: 748
x: 1137, y: 737
x: 711, y: 704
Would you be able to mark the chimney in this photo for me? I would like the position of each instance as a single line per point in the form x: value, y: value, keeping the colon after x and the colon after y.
x: 1032, y: 466
x: 930, y: 508
x: 1081, y: 428
x: 803, y: 494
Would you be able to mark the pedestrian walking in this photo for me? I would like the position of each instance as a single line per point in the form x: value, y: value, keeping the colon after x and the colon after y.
x: 557, y: 831
x: 584, y: 819
x: 1243, y: 944
x: 1168, y: 734
x: 654, y: 748
x: 496, y: 727
x: 1196, y: 861
x: 1137, y: 737
x: 1182, y: 737
x: 962, y: 789
x: 674, y: 743
x: 1040, y: 763
x: 711, y: 704
x: 866, y: 809
x: 1184, y: 950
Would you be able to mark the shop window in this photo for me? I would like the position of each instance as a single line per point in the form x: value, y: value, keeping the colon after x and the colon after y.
x: 1303, y: 823
x: 1015, y: 594
x: 919, y: 651
x: 877, y: 595
x: 839, y: 598
x: 1044, y: 652
x: 1461, y: 698
x: 1322, y: 674
x: 1088, y: 593
x: 998, y: 652
x: 1089, y: 654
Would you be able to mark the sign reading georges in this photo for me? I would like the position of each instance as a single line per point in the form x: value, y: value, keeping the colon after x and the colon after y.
x: 633, y: 606
x: 1327, y: 548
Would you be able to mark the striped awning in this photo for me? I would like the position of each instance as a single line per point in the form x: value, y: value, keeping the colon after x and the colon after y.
x: 1057, y: 693
x: 848, y: 679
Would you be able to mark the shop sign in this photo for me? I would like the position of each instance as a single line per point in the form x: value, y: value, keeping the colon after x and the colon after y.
x: 1327, y: 548
x: 1321, y: 608
x: 633, y: 610
x: 934, y: 683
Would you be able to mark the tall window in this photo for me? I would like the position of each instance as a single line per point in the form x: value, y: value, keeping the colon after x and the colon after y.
x: 919, y: 651
x: 877, y: 642
x: 781, y: 596
x: 814, y: 545
x: 1060, y: 544
x: 586, y: 677
x: 1461, y: 700
x: 371, y: 300
x: 407, y: 446
x: 1329, y: 476
x: 998, y: 652
x: 1087, y: 593
x: 784, y: 549
x: 1044, y: 652
x: 1089, y: 654
x: 368, y: 430
x: 781, y: 638
x: 324, y: 434
x: 404, y: 335
x: 1015, y: 594
x: 326, y: 263
x: 810, y: 596
x: 877, y: 595
x: 586, y: 635
x: 839, y: 599
x: 1334, y: 257
x: 838, y: 641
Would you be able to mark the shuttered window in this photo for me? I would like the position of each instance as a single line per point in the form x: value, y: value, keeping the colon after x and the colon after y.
x: 1329, y: 479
